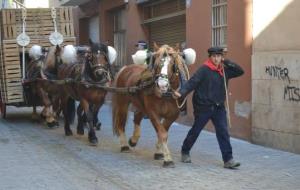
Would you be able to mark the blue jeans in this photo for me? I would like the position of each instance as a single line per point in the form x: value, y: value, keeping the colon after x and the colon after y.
x: 217, y: 114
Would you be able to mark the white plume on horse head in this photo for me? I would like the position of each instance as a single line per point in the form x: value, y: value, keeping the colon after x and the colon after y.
x: 69, y: 54
x: 190, y: 56
x: 139, y: 57
x: 112, y: 54
x: 35, y: 52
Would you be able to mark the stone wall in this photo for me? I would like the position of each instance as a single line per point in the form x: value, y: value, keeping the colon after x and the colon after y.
x: 276, y: 100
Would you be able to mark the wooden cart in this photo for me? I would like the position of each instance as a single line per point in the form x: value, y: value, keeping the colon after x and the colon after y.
x: 39, y: 25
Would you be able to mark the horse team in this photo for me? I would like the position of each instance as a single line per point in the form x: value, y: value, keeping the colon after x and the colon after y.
x: 63, y: 75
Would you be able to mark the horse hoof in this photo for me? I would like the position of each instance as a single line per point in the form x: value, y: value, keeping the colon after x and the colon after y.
x: 125, y: 149
x: 69, y: 133
x: 56, y: 123
x: 35, y: 118
x: 93, y: 142
x: 169, y: 164
x: 132, y: 144
x: 158, y: 156
x: 98, y: 126
x: 52, y: 124
x: 42, y: 116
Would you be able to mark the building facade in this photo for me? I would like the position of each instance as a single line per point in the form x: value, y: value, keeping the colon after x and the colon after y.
x: 255, y: 104
x: 275, y: 74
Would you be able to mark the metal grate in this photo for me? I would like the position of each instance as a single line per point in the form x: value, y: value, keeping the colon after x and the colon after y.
x: 219, y: 23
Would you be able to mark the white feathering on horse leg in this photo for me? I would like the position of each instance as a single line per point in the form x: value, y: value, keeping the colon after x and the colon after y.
x: 69, y: 54
x: 35, y: 52
x: 159, y: 148
x: 136, y: 133
x: 123, y: 139
x: 166, y: 151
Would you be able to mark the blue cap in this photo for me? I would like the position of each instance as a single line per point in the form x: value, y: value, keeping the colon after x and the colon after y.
x: 142, y: 43
x: 215, y: 50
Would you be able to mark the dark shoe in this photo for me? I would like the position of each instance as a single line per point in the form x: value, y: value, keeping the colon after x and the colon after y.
x: 186, y: 158
x: 231, y: 164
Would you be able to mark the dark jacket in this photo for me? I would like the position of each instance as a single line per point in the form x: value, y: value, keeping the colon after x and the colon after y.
x: 209, y: 86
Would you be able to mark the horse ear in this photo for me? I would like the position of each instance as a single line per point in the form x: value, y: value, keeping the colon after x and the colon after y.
x: 91, y: 42
x: 42, y: 74
x: 177, y: 47
x: 57, y: 49
x: 155, y: 46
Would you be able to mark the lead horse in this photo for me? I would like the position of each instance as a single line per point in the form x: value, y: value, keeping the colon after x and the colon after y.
x: 167, y: 69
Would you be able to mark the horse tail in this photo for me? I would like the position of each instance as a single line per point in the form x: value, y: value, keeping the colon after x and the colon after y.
x: 71, y: 109
x: 120, y: 106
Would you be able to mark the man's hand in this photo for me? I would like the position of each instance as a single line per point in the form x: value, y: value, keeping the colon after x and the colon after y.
x: 176, y: 95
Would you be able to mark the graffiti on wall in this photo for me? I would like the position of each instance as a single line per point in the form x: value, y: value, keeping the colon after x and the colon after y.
x: 290, y: 92
x: 281, y: 73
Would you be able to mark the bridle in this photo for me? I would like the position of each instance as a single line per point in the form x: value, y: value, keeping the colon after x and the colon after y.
x: 104, y: 69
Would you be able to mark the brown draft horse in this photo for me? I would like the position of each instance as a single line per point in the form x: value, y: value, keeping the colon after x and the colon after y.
x: 94, y: 70
x: 40, y: 90
x: 167, y: 68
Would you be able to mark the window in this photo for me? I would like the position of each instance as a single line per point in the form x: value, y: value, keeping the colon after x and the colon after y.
x: 219, y: 23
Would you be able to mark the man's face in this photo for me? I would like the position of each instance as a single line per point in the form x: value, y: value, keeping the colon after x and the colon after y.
x: 216, y: 58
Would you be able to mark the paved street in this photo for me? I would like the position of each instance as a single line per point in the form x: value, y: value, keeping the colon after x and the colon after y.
x: 33, y: 157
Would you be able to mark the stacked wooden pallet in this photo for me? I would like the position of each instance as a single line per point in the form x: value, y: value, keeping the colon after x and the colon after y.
x: 39, y: 25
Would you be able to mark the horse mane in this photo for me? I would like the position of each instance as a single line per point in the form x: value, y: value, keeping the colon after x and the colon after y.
x: 168, y: 49
x: 99, y: 46
x: 50, y: 59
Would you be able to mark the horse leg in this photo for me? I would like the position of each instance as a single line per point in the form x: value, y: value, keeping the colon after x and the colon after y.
x: 159, y: 151
x: 162, y: 143
x: 89, y: 115
x: 50, y: 120
x: 158, y: 155
x: 68, y: 131
x: 96, y: 121
x: 56, y: 108
x: 34, y: 116
x: 138, y: 116
x: 81, y: 120
x: 119, y: 113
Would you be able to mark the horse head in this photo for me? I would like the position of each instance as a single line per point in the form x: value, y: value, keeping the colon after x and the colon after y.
x: 168, y: 65
x: 98, y: 60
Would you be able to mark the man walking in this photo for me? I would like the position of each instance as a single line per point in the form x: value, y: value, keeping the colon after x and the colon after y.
x: 208, y: 103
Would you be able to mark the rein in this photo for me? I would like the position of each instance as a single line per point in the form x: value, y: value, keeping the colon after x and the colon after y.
x: 88, y: 84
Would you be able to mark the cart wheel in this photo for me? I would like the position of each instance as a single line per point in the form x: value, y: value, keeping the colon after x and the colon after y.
x: 3, y: 109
